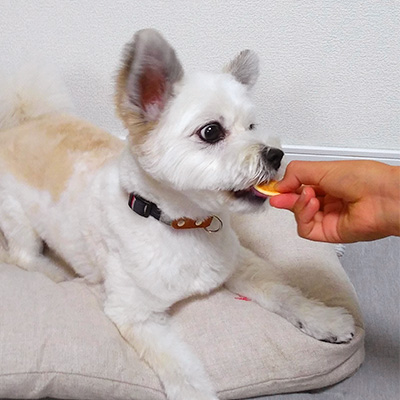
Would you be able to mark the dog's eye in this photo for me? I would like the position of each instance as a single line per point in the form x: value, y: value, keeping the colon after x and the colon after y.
x: 252, y: 127
x: 211, y: 133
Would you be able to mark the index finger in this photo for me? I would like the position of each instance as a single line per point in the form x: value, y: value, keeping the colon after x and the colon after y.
x: 300, y: 173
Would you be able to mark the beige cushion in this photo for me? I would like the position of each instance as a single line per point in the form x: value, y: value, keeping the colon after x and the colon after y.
x: 55, y: 341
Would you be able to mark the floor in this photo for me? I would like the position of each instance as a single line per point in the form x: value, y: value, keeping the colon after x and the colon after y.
x: 374, y: 269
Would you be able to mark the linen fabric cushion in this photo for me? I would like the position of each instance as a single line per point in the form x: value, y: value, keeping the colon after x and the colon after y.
x: 55, y: 341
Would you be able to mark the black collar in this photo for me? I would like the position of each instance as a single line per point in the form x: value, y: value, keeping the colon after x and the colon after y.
x: 146, y: 208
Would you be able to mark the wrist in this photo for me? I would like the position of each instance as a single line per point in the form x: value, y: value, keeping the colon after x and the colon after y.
x: 391, y: 203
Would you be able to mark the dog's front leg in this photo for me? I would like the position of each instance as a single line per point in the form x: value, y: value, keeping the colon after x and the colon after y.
x: 259, y: 281
x: 180, y: 372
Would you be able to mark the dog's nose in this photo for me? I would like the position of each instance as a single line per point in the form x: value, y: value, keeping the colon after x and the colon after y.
x: 272, y: 157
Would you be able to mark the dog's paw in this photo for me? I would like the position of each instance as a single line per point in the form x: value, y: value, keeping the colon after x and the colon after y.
x: 328, y: 324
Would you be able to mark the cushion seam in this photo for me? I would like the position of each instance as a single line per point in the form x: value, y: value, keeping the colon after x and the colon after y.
x: 255, y: 384
x: 83, y: 375
x: 294, y: 378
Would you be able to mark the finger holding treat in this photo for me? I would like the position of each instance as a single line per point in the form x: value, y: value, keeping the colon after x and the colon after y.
x: 341, y: 201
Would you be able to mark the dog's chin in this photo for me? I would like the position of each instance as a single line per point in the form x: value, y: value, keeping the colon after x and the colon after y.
x: 247, y: 201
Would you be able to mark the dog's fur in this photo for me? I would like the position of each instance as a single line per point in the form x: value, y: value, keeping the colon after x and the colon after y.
x: 66, y: 183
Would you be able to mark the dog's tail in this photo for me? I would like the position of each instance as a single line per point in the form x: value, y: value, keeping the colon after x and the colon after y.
x: 29, y: 93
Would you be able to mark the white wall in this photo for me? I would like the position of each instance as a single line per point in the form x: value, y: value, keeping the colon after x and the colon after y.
x: 330, y: 69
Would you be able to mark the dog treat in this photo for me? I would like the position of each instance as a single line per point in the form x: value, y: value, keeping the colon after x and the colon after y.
x: 267, y: 188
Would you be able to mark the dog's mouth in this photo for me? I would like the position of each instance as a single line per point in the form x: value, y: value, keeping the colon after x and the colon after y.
x: 250, y: 194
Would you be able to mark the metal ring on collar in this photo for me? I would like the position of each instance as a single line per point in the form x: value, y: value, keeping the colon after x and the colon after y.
x: 210, y: 229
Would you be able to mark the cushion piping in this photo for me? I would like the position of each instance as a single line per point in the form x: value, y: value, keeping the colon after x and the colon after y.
x: 255, y: 384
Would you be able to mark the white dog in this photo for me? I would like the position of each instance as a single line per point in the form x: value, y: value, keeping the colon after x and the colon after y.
x: 149, y: 217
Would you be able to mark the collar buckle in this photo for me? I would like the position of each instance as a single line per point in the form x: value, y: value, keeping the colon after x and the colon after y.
x: 143, y: 207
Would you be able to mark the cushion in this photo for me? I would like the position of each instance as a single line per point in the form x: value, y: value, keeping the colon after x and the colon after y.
x: 55, y: 340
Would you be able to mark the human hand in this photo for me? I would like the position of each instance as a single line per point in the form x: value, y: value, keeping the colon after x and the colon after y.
x: 341, y: 201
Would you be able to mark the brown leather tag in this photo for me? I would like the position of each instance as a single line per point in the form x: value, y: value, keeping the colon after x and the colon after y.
x: 187, y: 223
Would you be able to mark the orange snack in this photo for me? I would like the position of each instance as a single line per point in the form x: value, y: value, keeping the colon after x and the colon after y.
x: 267, y: 188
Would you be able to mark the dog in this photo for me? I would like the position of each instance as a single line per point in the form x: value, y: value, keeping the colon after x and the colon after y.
x: 148, y: 217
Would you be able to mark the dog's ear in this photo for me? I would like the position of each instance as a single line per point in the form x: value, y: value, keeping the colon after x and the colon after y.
x: 244, y: 67
x: 145, y: 82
